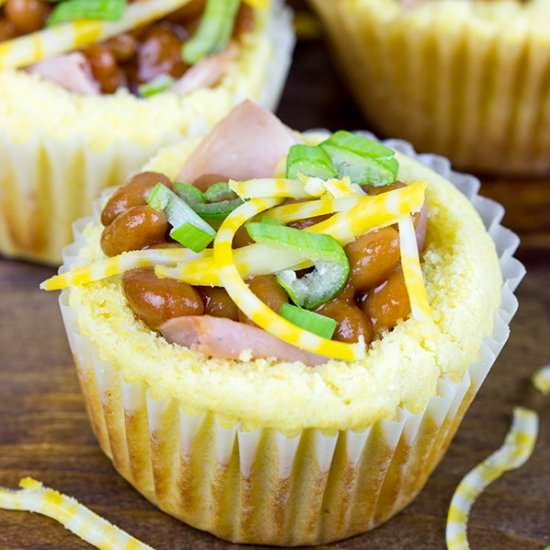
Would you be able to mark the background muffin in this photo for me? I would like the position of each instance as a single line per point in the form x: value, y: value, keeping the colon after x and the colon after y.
x: 464, y: 79
x: 59, y: 149
x: 309, y: 455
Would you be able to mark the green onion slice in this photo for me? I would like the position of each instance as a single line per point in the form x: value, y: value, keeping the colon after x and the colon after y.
x: 329, y: 258
x: 364, y: 160
x: 214, y: 30
x: 71, y: 10
x: 210, y: 211
x: 219, y: 192
x: 308, y: 320
x: 179, y: 215
x: 156, y: 86
x: 309, y: 161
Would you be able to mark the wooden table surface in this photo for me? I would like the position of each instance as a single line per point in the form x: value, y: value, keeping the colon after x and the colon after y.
x: 44, y: 431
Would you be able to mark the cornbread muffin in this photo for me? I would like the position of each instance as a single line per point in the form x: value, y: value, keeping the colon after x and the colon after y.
x: 83, y: 119
x: 263, y: 444
x: 466, y: 79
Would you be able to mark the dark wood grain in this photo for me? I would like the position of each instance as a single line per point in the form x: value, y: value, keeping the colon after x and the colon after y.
x: 44, y: 431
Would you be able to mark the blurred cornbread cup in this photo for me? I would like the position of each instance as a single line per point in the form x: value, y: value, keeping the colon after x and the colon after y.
x: 467, y: 80
x: 59, y: 150
x: 272, y: 452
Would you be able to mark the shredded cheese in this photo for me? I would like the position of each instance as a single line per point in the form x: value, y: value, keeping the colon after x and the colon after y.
x: 34, y: 497
x: 274, y: 187
x: 516, y: 450
x: 541, y: 380
x: 253, y: 307
x: 32, y: 48
x: 412, y: 272
x: 117, y: 265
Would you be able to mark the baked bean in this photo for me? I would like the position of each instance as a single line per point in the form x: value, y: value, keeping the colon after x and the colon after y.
x: 135, y: 229
x: 372, y: 190
x: 122, y: 46
x: 242, y: 238
x: 347, y: 294
x: 388, y: 303
x: 27, y: 15
x: 218, y: 303
x: 155, y: 300
x: 7, y: 29
x: 104, y: 68
x: 268, y: 290
x: 160, y: 53
x: 244, y: 22
x: 132, y: 194
x: 351, y: 322
x: 192, y: 10
x: 372, y: 256
x: 308, y: 222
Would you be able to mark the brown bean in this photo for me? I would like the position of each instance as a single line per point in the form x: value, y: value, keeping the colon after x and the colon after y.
x: 122, y: 46
x: 308, y: 222
x: 187, y: 13
x: 160, y: 53
x: 137, y: 228
x: 218, y: 303
x: 27, y: 15
x: 132, y: 194
x: 372, y: 256
x: 242, y: 238
x: 351, y: 322
x: 7, y: 29
x: 268, y: 290
x: 155, y: 300
x: 245, y: 20
x: 104, y: 68
x: 372, y: 190
x: 387, y: 304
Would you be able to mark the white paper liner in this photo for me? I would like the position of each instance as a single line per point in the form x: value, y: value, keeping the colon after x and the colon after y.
x: 47, y: 183
x: 262, y: 486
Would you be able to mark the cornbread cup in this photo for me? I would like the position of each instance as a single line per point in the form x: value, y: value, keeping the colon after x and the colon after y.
x: 468, y: 80
x: 59, y: 150
x: 266, y: 452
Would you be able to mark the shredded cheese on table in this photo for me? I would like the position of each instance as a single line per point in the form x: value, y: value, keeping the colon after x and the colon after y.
x: 52, y: 41
x: 541, y: 380
x: 34, y: 497
x: 516, y: 450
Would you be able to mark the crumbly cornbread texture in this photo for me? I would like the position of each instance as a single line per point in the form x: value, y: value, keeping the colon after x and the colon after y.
x: 29, y: 104
x: 463, y: 281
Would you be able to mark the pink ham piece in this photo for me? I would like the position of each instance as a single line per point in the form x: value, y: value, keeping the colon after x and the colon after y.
x: 205, y: 73
x: 246, y: 144
x: 226, y: 339
x: 71, y: 71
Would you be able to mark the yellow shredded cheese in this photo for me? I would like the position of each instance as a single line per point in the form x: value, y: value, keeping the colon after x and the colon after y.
x: 274, y: 187
x: 31, y: 48
x: 541, y: 380
x: 253, y: 307
x: 34, y: 497
x: 412, y: 272
x: 117, y: 265
x: 516, y: 450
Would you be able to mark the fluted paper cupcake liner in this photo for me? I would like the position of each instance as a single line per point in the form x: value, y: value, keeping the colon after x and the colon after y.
x: 265, y: 486
x: 48, y: 182
x: 463, y: 79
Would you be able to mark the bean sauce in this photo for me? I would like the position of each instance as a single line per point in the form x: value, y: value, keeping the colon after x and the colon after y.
x: 352, y: 324
x: 268, y: 290
x: 155, y: 300
x: 218, y: 303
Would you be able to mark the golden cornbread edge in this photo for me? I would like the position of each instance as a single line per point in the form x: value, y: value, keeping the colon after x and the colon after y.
x: 58, y: 150
x: 466, y: 79
x: 402, y: 370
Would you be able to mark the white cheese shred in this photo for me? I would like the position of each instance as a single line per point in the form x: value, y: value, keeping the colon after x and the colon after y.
x: 34, y: 497
x: 516, y: 450
x: 541, y: 380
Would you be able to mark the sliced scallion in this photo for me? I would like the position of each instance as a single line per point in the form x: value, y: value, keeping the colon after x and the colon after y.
x: 72, y: 10
x: 308, y: 320
x: 179, y: 215
x: 214, y: 30
x: 211, y: 211
x: 156, y: 86
x: 331, y: 262
x: 219, y: 192
x: 364, y: 160
x: 310, y: 161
